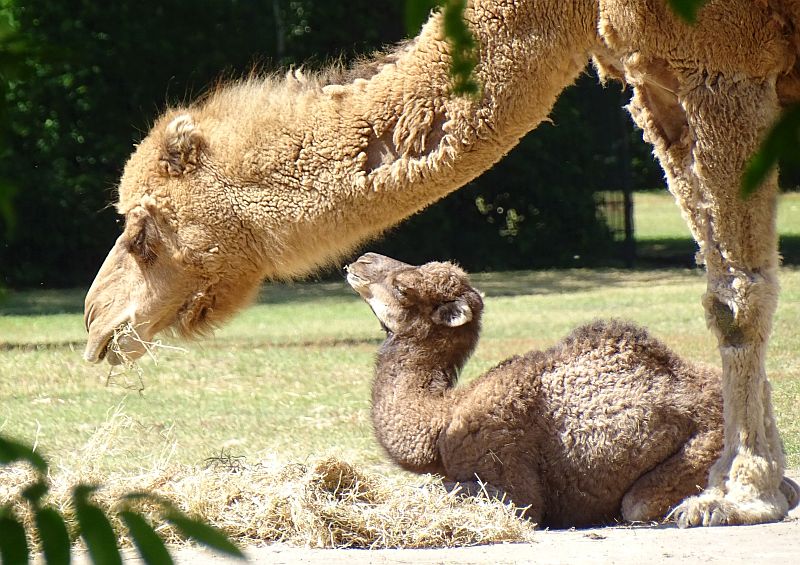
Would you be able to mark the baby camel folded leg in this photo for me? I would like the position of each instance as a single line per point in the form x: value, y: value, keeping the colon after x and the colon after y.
x: 684, y: 474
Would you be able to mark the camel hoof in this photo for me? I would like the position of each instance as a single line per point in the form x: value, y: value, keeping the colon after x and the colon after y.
x: 715, y: 509
x: 790, y: 490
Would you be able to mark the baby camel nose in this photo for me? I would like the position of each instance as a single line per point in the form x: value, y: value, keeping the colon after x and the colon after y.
x: 365, y: 259
x: 369, y: 258
x: 375, y: 265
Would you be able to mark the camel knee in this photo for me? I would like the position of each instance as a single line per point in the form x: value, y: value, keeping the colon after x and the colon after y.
x: 720, y: 316
x: 739, y: 308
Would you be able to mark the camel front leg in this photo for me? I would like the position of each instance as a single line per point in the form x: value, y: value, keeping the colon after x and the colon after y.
x: 704, y: 128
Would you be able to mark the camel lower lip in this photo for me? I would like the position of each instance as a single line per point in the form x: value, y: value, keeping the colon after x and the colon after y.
x: 97, y: 353
x: 100, y: 348
x: 103, y: 350
x: 354, y: 280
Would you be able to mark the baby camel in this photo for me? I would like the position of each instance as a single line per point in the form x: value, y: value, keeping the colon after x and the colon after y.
x: 607, y: 424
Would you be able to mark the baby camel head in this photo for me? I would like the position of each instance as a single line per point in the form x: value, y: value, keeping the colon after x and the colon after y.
x: 432, y: 303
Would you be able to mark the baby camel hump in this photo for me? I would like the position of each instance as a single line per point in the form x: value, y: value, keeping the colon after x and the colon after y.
x: 607, y: 425
x: 606, y: 406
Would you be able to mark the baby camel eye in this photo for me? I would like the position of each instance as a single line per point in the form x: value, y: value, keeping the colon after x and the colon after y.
x: 401, y: 291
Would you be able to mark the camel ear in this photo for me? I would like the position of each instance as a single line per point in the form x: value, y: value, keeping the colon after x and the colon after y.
x: 453, y: 314
x: 183, y: 142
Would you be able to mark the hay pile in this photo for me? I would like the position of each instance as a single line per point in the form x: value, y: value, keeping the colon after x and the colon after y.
x: 324, y: 504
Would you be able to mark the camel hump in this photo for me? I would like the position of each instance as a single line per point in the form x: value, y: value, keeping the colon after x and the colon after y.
x: 617, y: 333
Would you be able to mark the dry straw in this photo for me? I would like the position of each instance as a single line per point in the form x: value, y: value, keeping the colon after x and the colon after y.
x: 325, y: 503
x: 130, y: 374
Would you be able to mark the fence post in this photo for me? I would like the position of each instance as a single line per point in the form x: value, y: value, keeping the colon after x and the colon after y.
x: 629, y: 244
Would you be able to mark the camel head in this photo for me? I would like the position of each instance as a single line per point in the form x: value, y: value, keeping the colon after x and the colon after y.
x: 434, y: 300
x: 166, y: 269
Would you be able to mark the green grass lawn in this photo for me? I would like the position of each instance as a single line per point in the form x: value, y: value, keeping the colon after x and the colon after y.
x: 290, y: 376
x: 656, y: 216
x: 663, y: 237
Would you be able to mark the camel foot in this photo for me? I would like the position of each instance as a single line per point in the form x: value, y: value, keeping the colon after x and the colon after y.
x: 714, y: 508
x: 791, y: 491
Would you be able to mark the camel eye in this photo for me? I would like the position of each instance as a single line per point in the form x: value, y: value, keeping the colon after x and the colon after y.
x: 139, y: 240
x: 143, y: 244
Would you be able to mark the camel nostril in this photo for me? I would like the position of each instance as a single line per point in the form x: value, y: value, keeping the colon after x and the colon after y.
x: 89, y: 317
x: 202, y: 314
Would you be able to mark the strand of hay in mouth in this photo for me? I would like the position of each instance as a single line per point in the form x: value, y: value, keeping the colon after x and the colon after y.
x: 325, y: 504
x: 130, y: 366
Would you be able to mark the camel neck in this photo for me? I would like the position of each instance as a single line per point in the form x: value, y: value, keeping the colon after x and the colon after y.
x: 345, y: 158
x: 411, y: 403
x: 418, y: 142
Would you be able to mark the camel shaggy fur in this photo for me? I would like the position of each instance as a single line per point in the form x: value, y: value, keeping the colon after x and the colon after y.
x: 608, y: 424
x: 271, y: 178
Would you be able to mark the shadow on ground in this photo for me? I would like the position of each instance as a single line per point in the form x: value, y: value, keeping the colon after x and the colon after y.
x: 650, y: 254
x: 680, y: 252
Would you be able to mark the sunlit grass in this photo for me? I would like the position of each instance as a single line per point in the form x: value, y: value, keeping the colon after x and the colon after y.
x: 658, y: 217
x: 293, y: 376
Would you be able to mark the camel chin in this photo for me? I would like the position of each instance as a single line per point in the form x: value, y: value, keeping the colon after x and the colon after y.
x: 115, y: 350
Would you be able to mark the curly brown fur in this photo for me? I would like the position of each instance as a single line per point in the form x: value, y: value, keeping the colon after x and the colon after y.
x: 608, y: 424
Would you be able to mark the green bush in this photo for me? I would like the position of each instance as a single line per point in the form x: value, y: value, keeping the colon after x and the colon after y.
x: 92, y: 522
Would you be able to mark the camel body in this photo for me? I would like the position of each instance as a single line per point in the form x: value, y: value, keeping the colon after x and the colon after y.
x: 610, y: 426
x: 272, y: 178
x: 607, y: 425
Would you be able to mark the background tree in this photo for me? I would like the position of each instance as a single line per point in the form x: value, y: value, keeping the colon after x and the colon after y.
x: 81, y: 83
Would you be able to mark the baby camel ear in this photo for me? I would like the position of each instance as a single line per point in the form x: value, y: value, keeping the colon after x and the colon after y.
x: 453, y: 314
x: 183, y: 142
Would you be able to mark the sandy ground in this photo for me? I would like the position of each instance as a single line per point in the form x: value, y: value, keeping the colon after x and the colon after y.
x: 774, y: 544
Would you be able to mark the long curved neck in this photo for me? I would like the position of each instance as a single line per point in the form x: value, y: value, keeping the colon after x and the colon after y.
x: 411, y: 403
x: 343, y: 162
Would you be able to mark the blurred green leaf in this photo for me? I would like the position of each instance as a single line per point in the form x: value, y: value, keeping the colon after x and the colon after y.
x: 687, y: 9
x: 203, y: 533
x: 782, y: 142
x: 54, y: 536
x: 417, y: 12
x: 82, y: 491
x: 93, y: 523
x: 138, y: 495
x: 95, y: 529
x: 465, y: 56
x: 13, y: 543
x: 194, y: 529
x: 147, y: 541
x: 12, y: 451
